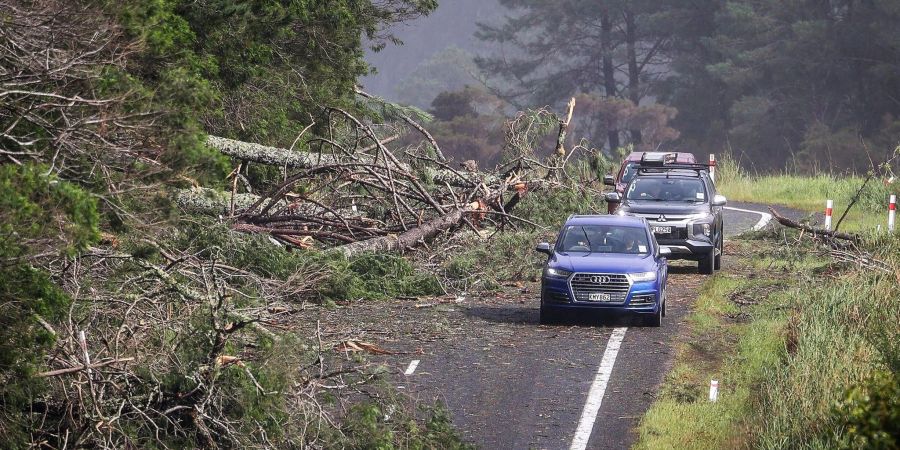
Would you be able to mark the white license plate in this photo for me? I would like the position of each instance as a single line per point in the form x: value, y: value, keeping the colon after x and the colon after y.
x: 598, y: 297
x: 662, y: 230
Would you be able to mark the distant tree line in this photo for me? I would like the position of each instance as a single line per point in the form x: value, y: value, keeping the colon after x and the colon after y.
x: 801, y: 84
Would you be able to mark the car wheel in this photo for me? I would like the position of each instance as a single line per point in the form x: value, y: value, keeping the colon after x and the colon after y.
x: 721, y: 248
x: 664, y: 302
x: 656, y: 320
x: 707, y: 263
x: 548, y: 317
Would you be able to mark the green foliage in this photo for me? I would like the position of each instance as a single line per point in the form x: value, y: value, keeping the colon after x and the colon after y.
x: 368, y: 427
x: 330, y: 277
x: 869, y: 415
x: 551, y: 209
x: 39, y: 209
x: 376, y: 276
x: 254, y: 70
x: 38, y: 213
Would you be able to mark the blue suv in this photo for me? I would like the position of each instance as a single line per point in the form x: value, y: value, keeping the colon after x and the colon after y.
x: 604, y: 263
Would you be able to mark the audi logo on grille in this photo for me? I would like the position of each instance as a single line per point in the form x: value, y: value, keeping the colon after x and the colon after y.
x: 600, y: 279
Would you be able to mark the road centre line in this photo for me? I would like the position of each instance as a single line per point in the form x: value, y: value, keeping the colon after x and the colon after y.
x: 412, y: 367
x: 764, y: 220
x: 598, y: 388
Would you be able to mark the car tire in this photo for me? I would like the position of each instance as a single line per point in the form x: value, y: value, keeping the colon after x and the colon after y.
x: 721, y: 248
x: 707, y: 263
x: 656, y: 320
x: 548, y: 317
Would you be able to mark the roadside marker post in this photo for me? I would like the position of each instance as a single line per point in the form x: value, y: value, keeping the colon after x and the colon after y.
x: 829, y: 207
x: 712, y: 167
x: 713, y: 390
x: 412, y: 367
x: 892, y: 213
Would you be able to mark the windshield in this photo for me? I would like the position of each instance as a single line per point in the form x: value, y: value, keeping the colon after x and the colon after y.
x: 628, y: 173
x: 603, y: 239
x: 667, y: 190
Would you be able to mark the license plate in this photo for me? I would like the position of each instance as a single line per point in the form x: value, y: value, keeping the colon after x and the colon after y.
x: 662, y: 230
x: 598, y: 297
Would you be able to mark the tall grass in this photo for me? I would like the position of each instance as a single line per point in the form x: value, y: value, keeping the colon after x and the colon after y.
x: 808, y: 193
x: 796, y: 366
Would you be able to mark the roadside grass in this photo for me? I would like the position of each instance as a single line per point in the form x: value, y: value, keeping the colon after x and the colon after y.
x: 808, y: 193
x: 798, y: 344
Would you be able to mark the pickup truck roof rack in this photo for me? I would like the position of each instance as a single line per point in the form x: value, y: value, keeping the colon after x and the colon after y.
x: 680, y: 168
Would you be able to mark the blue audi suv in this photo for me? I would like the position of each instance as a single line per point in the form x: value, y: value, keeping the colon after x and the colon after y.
x: 609, y: 264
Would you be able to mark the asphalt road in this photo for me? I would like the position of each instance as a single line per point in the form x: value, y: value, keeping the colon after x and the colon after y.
x: 527, y: 387
x: 511, y: 383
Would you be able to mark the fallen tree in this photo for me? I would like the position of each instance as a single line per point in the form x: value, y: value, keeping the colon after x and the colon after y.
x: 351, y: 193
x: 815, y: 231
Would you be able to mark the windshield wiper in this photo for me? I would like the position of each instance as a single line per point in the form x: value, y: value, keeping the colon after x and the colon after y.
x: 590, y: 247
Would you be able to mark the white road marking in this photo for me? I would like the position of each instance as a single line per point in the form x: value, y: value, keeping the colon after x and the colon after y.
x: 764, y: 220
x: 412, y: 367
x: 598, y: 388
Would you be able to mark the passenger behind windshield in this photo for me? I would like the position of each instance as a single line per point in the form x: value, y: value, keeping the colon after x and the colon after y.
x: 666, y: 190
x: 603, y: 239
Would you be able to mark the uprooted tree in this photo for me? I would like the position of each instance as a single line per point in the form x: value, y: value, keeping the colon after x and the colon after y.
x: 354, y: 191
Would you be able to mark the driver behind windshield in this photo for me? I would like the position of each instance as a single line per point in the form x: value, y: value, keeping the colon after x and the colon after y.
x: 599, y: 239
x: 666, y: 190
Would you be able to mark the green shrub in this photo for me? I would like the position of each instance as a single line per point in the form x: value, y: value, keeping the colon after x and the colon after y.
x: 869, y: 414
x: 376, y: 276
x: 368, y: 427
x: 38, y: 214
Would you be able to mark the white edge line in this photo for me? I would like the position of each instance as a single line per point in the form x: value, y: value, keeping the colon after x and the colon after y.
x: 412, y: 367
x: 764, y: 220
x: 598, y: 388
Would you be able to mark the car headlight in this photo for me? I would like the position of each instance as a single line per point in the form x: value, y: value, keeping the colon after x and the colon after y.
x: 642, y: 276
x: 701, y: 224
x: 703, y: 228
x: 556, y: 272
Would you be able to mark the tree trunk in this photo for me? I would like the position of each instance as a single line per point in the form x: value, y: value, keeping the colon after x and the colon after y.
x: 406, y: 240
x: 634, y: 73
x: 609, y: 72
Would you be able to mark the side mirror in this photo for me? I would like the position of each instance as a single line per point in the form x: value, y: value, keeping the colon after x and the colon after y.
x: 719, y: 200
x: 665, y: 251
x: 613, y: 197
x: 543, y: 247
x: 609, y: 180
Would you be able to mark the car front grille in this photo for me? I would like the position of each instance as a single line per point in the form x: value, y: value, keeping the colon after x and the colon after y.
x: 585, y: 284
x: 653, y: 217
x: 643, y: 300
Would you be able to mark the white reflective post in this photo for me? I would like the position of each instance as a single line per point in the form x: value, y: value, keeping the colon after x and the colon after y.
x: 829, y: 206
x: 892, y: 212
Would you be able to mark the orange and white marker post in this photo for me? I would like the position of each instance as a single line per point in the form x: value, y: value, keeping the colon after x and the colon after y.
x: 892, y: 213
x: 829, y: 208
x: 712, y: 167
x: 713, y: 390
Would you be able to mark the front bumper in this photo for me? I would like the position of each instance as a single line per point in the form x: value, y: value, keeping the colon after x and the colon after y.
x: 682, y: 242
x: 687, y: 248
x: 642, y: 297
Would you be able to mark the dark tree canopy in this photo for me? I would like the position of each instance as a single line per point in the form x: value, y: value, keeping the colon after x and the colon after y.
x: 810, y: 83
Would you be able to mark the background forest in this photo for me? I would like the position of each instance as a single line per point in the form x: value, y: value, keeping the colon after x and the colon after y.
x: 796, y: 84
